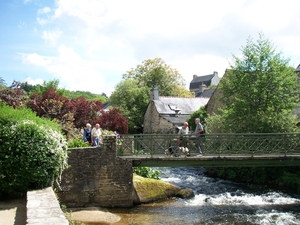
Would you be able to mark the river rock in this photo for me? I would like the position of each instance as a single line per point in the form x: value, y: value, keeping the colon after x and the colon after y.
x: 185, y: 193
x: 149, y: 190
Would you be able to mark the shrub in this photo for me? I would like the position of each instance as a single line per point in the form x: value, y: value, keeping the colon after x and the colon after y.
x: 147, y: 172
x: 33, y: 152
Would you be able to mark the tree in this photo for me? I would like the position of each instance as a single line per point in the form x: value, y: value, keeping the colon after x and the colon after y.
x: 201, y: 114
x: 88, y: 95
x: 132, y: 100
x: 113, y: 120
x: 85, y: 111
x: 49, y: 104
x: 132, y: 94
x: 14, y: 96
x: 156, y: 73
x: 259, y: 92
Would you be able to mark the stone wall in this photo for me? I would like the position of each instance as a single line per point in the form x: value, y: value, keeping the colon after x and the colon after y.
x: 154, y: 123
x: 43, y: 208
x: 97, y: 177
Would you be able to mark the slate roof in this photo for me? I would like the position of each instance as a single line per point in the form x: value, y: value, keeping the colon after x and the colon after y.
x: 199, y: 79
x: 176, y: 120
x: 186, y: 105
x: 207, y: 93
x: 298, y: 68
x: 106, y: 106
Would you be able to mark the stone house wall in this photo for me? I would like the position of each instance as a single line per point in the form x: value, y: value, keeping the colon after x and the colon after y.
x: 214, y: 103
x: 153, y: 123
x: 97, y: 177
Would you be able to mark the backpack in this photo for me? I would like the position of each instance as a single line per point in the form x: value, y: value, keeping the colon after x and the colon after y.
x: 203, y: 130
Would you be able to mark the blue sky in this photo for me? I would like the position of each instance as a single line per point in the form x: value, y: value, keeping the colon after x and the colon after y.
x: 88, y: 45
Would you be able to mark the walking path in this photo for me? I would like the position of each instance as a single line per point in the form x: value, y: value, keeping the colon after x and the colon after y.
x: 13, y: 212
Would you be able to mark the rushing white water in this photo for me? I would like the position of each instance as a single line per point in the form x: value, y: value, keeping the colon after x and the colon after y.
x: 216, y: 202
x: 248, y: 203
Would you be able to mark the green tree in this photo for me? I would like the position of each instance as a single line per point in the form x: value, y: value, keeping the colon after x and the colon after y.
x: 259, y: 92
x: 132, y: 94
x: 88, y: 95
x: 201, y: 114
x: 156, y: 73
x: 41, y: 89
x: 132, y: 100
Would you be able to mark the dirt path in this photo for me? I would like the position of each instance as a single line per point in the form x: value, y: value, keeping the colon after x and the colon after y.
x: 13, y: 212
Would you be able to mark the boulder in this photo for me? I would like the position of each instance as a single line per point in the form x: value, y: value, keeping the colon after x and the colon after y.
x: 149, y: 190
x: 185, y: 193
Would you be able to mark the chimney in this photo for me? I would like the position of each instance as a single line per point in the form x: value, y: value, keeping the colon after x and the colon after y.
x: 194, y: 77
x: 215, y: 73
x: 154, y: 94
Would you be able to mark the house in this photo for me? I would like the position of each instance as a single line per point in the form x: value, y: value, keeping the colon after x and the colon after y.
x: 297, y: 109
x: 297, y: 70
x: 214, y: 103
x: 106, y: 106
x: 167, y: 114
x: 199, y: 84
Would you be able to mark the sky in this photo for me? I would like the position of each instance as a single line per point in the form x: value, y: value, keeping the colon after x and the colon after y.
x: 89, y: 44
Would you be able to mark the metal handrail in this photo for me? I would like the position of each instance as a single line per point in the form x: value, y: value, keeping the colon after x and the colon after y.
x: 213, y: 144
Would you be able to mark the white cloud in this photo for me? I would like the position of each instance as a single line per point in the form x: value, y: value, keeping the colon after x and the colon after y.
x: 32, y: 81
x: 44, y: 10
x: 34, y: 59
x: 51, y: 36
x: 107, y: 38
x: 72, y: 71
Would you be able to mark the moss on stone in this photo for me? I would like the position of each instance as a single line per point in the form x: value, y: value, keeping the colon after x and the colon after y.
x: 148, y: 190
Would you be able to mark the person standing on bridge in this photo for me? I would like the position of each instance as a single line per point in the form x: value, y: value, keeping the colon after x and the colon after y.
x: 198, y: 130
x: 181, y: 139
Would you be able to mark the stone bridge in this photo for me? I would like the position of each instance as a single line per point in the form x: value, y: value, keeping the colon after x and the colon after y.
x: 102, y: 176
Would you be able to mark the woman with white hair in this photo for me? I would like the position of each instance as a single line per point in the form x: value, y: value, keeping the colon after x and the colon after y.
x: 87, y: 134
x: 96, y: 135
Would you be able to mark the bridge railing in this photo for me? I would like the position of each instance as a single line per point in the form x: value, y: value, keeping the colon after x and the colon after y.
x: 213, y: 144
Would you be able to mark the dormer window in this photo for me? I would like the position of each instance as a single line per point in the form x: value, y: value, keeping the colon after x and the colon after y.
x: 175, y: 109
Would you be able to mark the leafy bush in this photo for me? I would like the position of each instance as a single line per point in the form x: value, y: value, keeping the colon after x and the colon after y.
x: 147, y: 172
x: 77, y: 143
x: 33, y: 152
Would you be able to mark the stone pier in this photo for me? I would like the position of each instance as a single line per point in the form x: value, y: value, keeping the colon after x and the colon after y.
x: 97, y: 177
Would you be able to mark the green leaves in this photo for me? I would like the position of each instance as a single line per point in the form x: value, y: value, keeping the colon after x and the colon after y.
x: 259, y: 91
x: 33, y: 152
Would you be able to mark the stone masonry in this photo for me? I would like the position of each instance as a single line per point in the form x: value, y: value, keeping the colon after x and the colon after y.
x: 97, y: 177
x: 43, y: 208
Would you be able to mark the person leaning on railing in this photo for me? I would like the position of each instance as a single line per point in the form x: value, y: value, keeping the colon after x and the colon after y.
x: 181, y: 139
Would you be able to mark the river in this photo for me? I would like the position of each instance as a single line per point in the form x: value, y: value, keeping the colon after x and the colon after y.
x: 216, y: 202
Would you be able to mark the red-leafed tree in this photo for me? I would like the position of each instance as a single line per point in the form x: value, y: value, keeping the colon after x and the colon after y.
x: 51, y: 105
x: 86, y: 111
x: 14, y: 96
x: 114, y: 121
